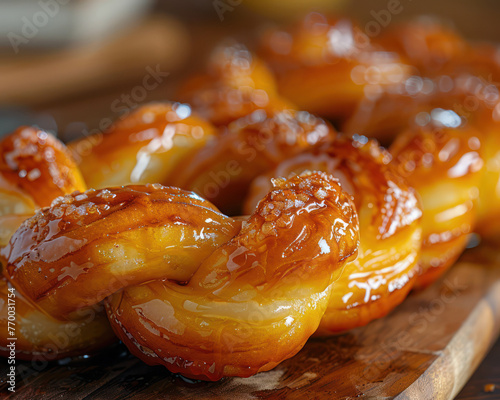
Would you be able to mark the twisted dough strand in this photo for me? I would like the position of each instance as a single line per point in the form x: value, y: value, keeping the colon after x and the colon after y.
x: 256, y: 300
x: 88, y: 245
x: 389, y: 214
x: 192, y: 282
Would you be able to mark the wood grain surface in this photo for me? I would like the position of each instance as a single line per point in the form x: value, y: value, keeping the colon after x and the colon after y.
x: 427, y: 349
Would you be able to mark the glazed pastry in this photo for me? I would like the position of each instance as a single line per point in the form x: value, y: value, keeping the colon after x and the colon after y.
x: 235, y: 84
x: 488, y: 209
x: 35, y: 168
x: 256, y: 300
x: 187, y: 270
x: 145, y: 146
x: 389, y: 220
x: 326, y: 66
x: 211, y: 296
x: 443, y: 161
x: 222, y: 171
x: 89, y: 245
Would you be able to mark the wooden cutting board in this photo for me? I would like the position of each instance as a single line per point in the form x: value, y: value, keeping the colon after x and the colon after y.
x: 427, y: 349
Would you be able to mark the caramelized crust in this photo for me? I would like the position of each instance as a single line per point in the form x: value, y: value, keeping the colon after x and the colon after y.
x: 143, y: 147
x: 389, y: 216
x: 444, y: 164
x: 222, y: 171
x: 87, y: 246
x: 257, y: 298
x: 236, y: 84
x: 35, y: 168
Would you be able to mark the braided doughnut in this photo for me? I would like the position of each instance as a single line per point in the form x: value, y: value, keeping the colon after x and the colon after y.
x: 389, y: 217
x: 236, y: 84
x: 146, y: 146
x: 200, y: 296
x: 35, y: 168
x: 210, y: 296
x: 223, y: 170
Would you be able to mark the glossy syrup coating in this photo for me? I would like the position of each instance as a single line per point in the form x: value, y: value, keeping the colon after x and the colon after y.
x: 142, y: 147
x: 389, y: 222
x: 256, y: 300
x: 443, y: 161
x: 326, y: 66
x: 42, y: 338
x: 222, y: 171
x: 436, y: 48
x: 88, y: 245
x: 488, y: 208
x: 467, y: 86
x: 235, y: 84
x: 35, y: 168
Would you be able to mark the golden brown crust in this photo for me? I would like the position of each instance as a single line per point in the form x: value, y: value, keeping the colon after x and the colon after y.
x: 223, y: 170
x: 327, y: 65
x: 257, y: 298
x: 145, y: 146
x: 445, y: 165
x: 43, y: 338
x: 236, y: 84
x: 88, y: 245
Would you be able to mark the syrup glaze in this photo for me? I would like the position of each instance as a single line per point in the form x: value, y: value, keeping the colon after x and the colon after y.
x: 389, y: 216
x: 257, y: 298
x: 43, y: 338
x: 35, y: 168
x: 142, y: 147
x: 236, y: 84
x: 222, y: 171
x: 326, y: 66
x: 443, y: 160
x: 87, y: 246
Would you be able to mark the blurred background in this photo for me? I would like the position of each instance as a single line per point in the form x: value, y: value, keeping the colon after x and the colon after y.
x: 67, y: 65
